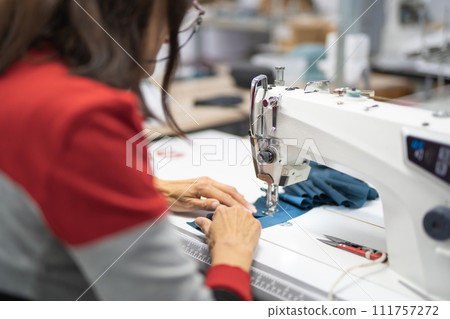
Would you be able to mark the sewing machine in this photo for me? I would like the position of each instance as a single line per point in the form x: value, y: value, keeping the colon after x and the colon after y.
x: 403, y: 152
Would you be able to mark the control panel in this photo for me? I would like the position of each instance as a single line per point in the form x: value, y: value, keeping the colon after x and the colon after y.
x: 430, y: 155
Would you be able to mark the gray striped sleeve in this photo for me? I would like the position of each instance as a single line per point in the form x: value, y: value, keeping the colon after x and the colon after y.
x: 153, y: 268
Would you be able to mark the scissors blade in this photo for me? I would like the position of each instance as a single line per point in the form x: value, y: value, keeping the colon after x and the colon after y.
x: 328, y: 242
x: 341, y: 241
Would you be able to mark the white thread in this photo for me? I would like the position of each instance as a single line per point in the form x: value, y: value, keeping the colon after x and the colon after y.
x: 347, y: 271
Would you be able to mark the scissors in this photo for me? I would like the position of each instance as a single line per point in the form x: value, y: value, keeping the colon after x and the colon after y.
x: 363, y: 251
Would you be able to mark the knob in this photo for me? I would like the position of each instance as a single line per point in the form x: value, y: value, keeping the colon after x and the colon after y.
x: 266, y: 156
x: 272, y: 101
x: 354, y: 93
x: 437, y: 223
x: 339, y: 91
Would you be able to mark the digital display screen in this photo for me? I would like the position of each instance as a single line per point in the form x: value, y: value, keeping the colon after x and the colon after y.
x: 432, y: 156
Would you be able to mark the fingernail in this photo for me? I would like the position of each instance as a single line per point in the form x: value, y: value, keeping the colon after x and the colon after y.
x: 198, y: 223
x: 252, y: 208
x: 215, y: 205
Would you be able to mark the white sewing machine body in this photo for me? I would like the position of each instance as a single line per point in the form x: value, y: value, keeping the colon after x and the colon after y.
x: 371, y: 141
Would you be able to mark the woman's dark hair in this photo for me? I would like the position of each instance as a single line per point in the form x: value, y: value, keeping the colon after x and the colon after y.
x: 94, y: 37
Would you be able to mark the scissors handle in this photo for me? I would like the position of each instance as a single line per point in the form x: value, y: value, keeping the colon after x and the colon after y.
x: 360, y: 252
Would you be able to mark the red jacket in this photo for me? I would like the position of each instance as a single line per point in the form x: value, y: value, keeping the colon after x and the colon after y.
x: 63, y: 158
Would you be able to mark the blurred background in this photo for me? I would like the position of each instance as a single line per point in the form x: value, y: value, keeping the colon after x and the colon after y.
x: 399, y: 48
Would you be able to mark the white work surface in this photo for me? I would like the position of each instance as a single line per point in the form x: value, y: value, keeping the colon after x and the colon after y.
x: 292, y: 250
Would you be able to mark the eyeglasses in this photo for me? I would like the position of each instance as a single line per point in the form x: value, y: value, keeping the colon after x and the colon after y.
x: 192, y: 18
x: 191, y: 21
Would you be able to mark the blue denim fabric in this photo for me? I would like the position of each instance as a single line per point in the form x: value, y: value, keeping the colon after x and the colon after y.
x: 285, y: 213
x: 325, y: 186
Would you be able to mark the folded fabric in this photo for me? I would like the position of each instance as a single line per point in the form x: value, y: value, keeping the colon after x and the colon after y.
x: 325, y: 186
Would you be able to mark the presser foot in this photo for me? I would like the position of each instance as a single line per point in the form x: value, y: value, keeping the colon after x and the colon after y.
x: 271, y: 210
x: 272, y: 199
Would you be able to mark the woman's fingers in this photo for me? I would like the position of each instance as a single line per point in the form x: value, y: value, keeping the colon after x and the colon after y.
x: 223, y: 197
x: 227, y: 195
x: 184, y: 196
x: 233, y: 192
x: 204, y: 224
x: 233, y: 236
x: 203, y: 204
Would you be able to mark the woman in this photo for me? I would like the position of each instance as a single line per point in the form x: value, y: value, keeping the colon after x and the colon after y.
x: 75, y: 222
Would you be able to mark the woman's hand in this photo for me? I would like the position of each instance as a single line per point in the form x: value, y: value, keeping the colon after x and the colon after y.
x: 232, y: 236
x: 203, y: 193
